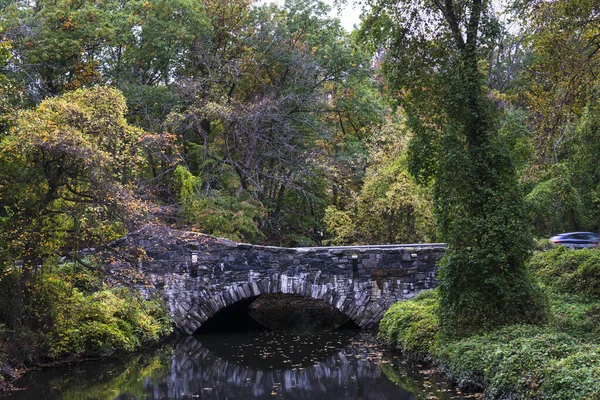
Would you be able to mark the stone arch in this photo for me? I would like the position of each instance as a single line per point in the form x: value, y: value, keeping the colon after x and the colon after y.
x: 198, y: 275
x: 355, y: 305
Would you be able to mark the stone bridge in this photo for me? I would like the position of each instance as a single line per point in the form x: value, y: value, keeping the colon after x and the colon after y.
x: 198, y: 275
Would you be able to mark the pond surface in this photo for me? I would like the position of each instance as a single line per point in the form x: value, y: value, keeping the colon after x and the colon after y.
x: 263, y: 365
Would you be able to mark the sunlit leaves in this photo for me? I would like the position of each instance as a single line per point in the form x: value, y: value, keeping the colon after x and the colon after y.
x: 564, y: 70
x: 390, y: 207
x: 73, y: 165
x: 73, y: 321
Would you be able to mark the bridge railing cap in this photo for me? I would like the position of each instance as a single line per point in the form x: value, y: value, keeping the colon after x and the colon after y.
x: 380, y: 246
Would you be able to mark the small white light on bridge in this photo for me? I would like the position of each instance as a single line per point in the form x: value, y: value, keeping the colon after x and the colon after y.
x: 355, y: 256
x: 413, y: 255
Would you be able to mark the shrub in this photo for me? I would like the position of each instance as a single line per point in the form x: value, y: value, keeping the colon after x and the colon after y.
x: 573, y: 377
x: 103, y: 322
x: 513, y: 360
x: 557, y: 361
x: 412, y: 326
x: 569, y: 271
x: 217, y: 212
x: 77, y: 322
x: 576, y: 314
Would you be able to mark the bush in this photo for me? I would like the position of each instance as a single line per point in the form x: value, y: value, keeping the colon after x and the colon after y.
x: 557, y: 361
x: 412, y: 326
x: 573, y: 377
x: 569, y: 271
x: 103, y: 322
x: 217, y: 212
x: 513, y: 360
x: 576, y: 314
x: 74, y: 322
x: 526, y: 362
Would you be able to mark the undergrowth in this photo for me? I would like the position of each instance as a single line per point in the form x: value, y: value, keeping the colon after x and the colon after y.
x: 72, y: 312
x: 559, y: 360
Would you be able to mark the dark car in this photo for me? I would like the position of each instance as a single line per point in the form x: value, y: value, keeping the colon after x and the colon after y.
x: 576, y: 239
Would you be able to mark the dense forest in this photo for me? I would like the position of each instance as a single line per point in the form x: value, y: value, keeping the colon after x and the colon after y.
x: 269, y: 124
x: 272, y: 124
x: 458, y: 121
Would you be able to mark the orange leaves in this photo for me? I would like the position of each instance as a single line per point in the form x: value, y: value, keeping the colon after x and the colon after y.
x: 85, y: 74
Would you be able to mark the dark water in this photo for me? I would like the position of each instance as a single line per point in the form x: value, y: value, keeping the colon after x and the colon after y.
x: 262, y: 365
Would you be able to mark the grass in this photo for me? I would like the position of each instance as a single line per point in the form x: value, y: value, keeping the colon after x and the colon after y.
x: 560, y: 360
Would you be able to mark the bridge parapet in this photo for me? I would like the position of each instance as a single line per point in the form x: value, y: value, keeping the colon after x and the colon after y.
x: 199, y: 275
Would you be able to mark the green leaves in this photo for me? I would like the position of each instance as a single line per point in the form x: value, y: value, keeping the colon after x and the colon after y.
x: 72, y: 166
x: 412, y: 326
x: 565, y: 271
x: 434, y: 66
x: 559, y: 360
x: 218, y: 212
x: 99, y: 322
x: 390, y: 207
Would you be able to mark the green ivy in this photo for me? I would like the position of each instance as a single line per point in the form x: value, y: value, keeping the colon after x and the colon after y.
x: 412, y: 326
x: 557, y: 360
x: 569, y: 271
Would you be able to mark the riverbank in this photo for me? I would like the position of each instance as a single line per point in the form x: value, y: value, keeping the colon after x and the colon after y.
x: 10, y: 374
x: 560, y: 360
x: 70, y: 313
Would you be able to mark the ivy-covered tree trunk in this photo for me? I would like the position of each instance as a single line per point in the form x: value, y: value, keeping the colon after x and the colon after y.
x: 483, y: 280
x: 479, y: 203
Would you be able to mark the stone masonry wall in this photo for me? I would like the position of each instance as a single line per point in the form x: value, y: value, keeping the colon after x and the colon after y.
x: 198, y: 275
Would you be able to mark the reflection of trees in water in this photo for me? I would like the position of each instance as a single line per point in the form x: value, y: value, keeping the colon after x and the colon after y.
x: 193, y: 370
x: 348, y: 374
x: 106, y: 379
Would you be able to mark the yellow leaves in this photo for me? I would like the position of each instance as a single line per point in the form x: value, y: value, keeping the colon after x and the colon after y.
x: 101, y: 321
x: 5, y: 45
x: 68, y: 24
x: 78, y: 150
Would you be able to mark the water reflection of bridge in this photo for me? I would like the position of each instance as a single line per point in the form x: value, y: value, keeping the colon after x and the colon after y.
x: 340, y: 365
x: 349, y: 373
